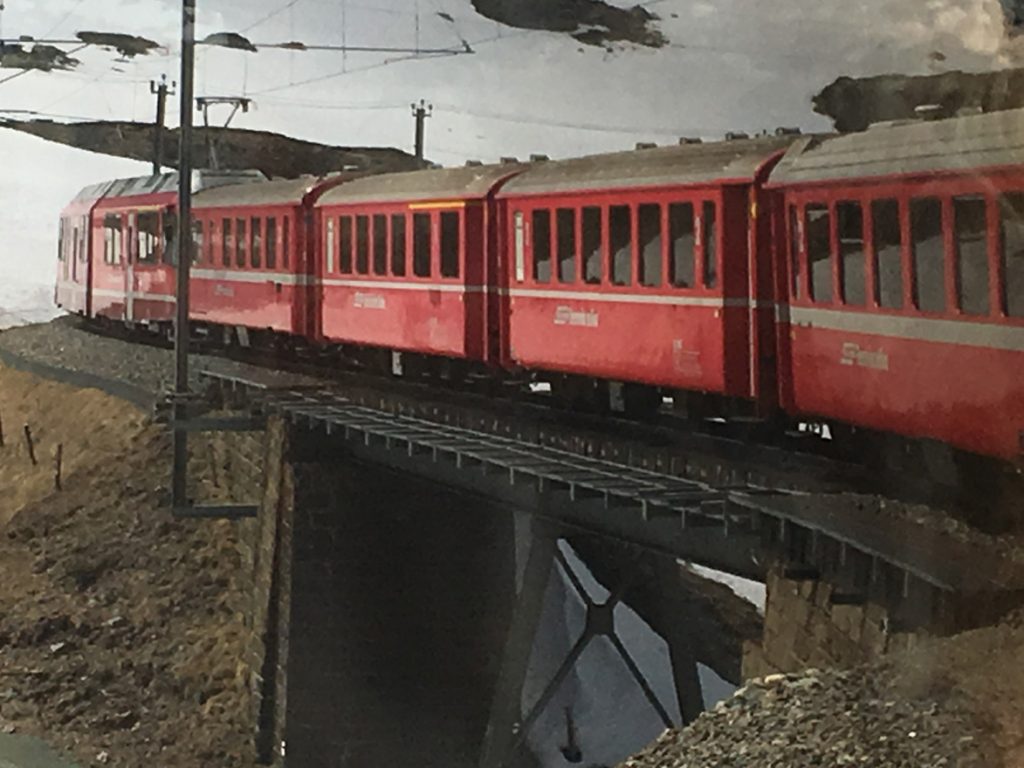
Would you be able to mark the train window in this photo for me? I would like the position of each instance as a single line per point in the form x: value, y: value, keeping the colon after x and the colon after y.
x: 683, y: 237
x: 345, y: 249
x: 60, y: 243
x: 649, y: 224
x: 256, y: 255
x: 592, y: 250
x: 709, y: 237
x: 168, y: 245
x: 565, y: 223
x: 148, y: 228
x: 398, y: 244
x: 796, y: 287
x: 421, y: 243
x: 970, y: 229
x: 888, y: 244
x: 329, y: 246
x: 362, y: 245
x: 286, y: 240
x: 198, y: 241
x: 380, y: 244
x: 271, y: 238
x: 240, y: 242
x: 520, y: 246
x: 74, y: 243
x: 542, y: 246
x: 850, y: 224
x: 227, y: 242
x: 620, y: 236
x: 211, y: 239
x: 449, y: 244
x: 929, y: 254
x: 819, y: 252
x: 112, y: 238
x: 1011, y: 215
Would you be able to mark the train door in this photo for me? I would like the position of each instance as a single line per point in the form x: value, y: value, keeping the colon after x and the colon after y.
x: 77, y: 264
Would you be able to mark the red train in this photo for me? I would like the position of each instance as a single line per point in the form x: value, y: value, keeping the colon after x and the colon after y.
x: 870, y: 281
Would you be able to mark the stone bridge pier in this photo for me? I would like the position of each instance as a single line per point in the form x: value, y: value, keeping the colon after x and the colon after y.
x: 396, y: 620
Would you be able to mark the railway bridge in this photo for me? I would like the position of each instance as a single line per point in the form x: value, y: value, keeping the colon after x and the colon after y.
x: 410, y: 560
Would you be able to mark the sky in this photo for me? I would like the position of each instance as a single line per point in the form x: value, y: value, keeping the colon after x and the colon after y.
x: 730, y: 65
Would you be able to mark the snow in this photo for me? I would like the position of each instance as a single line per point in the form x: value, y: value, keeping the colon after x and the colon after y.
x: 751, y: 591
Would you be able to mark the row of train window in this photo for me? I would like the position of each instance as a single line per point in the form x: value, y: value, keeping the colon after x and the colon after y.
x: 379, y: 244
x: 149, y: 237
x: 660, y: 244
x: 844, y: 267
x: 243, y: 243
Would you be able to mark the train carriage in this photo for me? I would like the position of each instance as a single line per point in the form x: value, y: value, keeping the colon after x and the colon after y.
x: 640, y: 267
x: 404, y: 262
x: 74, y: 250
x: 902, y: 258
x: 253, y: 266
x: 132, y: 272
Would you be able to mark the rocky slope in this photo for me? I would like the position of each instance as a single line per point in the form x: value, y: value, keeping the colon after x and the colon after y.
x: 955, y: 701
x: 237, y: 149
x: 593, y: 22
x: 854, y: 103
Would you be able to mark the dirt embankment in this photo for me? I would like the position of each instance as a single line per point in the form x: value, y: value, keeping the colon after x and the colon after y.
x: 121, y: 629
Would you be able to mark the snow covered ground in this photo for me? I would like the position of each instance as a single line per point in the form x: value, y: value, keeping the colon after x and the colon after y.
x: 23, y: 303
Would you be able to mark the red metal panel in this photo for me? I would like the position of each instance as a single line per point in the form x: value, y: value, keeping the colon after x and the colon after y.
x: 403, y: 315
x: 967, y: 395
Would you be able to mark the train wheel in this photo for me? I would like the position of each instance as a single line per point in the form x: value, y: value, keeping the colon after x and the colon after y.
x: 640, y: 401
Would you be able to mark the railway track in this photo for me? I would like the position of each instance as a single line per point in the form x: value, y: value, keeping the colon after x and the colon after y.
x: 718, y: 452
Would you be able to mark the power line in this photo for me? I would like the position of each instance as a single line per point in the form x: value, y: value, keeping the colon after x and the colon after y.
x: 526, y: 120
x: 63, y: 18
x: 272, y: 14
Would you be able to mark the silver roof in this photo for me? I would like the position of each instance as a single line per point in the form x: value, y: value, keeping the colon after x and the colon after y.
x: 436, y: 184
x: 277, y: 192
x: 166, y: 183
x: 888, y: 149
x: 687, y: 164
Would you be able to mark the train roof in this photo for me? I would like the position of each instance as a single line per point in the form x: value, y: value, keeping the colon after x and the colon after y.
x: 276, y: 192
x: 164, y: 183
x: 722, y: 161
x: 469, y: 182
x: 904, y: 148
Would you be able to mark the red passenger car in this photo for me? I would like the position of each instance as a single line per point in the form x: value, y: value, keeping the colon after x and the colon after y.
x: 131, y: 276
x: 74, y: 250
x: 404, y: 261
x: 903, y: 264
x: 639, y: 266
x: 253, y: 267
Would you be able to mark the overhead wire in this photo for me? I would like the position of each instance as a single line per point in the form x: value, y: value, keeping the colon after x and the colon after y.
x: 287, y: 6
x: 63, y: 18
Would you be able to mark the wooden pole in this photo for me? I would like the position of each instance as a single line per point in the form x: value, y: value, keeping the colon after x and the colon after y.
x: 31, y: 445
x: 57, y: 462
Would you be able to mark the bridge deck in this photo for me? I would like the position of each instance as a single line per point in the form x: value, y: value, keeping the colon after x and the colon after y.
x: 736, y: 528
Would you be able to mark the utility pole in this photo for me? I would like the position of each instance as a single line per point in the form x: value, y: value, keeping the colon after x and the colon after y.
x: 179, y: 485
x: 161, y: 91
x: 421, y: 112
